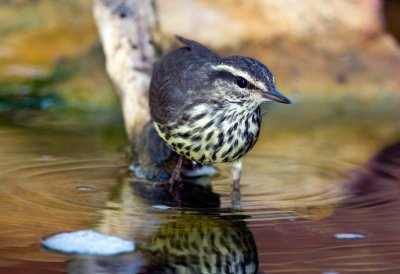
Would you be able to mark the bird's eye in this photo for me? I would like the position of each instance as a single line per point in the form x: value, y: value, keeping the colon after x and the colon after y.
x: 241, y: 82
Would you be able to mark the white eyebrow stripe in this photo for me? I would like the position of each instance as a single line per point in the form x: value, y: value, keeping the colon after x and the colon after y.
x: 241, y: 73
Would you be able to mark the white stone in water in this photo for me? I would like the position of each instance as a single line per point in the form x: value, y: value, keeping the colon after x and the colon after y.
x: 201, y: 171
x: 88, y: 242
x: 85, y: 188
x: 162, y: 207
x: 349, y: 236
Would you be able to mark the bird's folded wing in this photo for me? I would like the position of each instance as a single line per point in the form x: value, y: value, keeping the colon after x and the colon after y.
x: 166, y: 100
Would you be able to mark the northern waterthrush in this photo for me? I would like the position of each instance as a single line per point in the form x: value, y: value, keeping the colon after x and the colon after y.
x: 207, y: 108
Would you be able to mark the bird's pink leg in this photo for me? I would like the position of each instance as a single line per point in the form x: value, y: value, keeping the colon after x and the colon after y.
x: 176, y: 177
x: 236, y: 174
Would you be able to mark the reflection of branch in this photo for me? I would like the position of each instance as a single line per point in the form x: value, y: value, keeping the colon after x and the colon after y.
x: 126, y: 28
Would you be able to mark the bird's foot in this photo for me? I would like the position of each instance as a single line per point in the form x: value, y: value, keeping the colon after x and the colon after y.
x: 236, y: 200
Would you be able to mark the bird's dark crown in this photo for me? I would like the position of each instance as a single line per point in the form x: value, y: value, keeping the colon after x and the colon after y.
x: 231, y: 77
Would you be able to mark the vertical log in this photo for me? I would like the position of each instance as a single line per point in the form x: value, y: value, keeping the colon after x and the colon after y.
x: 126, y: 28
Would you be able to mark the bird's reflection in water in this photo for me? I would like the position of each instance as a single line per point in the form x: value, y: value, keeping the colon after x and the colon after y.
x: 203, y: 245
x: 196, y: 237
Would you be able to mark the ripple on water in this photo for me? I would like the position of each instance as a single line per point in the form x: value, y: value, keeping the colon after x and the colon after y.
x: 80, y: 185
x: 59, y: 184
x: 323, y: 199
x: 268, y: 193
x: 41, y: 197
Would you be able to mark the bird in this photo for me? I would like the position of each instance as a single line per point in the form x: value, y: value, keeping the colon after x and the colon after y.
x: 206, y: 108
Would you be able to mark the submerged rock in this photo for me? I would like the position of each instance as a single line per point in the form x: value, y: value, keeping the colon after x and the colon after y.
x: 349, y: 236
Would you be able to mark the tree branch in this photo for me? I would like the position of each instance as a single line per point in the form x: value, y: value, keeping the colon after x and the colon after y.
x: 126, y: 28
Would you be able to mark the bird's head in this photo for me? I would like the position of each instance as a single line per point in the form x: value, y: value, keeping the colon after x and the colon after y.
x: 238, y: 78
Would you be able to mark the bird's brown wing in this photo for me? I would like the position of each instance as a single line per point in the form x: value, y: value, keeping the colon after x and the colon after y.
x: 173, y: 78
x: 166, y: 99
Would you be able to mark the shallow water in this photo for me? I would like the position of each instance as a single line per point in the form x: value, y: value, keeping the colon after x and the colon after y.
x: 315, y: 173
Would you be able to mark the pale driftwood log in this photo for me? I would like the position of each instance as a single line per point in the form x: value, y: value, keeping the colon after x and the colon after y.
x: 126, y: 28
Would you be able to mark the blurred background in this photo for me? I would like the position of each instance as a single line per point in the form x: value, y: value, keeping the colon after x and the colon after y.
x: 50, y: 50
x: 330, y: 161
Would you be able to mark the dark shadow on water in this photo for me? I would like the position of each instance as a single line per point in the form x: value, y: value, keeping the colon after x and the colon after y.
x: 383, y: 167
x: 193, y: 194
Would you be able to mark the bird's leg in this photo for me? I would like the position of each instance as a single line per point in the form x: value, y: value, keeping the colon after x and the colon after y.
x: 176, y: 173
x: 236, y: 173
x: 176, y: 177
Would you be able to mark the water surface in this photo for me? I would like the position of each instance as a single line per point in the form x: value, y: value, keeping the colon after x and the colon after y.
x: 318, y: 170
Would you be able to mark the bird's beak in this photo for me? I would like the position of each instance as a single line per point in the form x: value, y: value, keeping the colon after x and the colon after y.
x: 275, y: 95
